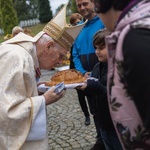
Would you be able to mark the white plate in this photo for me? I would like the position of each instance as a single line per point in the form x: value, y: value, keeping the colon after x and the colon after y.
x: 43, y: 88
x: 62, y: 68
x: 72, y: 86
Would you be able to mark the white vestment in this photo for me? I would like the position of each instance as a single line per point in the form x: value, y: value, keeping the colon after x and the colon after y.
x: 20, y: 104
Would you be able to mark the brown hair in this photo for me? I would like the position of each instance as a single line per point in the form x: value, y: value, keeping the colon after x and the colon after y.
x: 28, y: 32
x: 74, y: 17
x: 99, y: 38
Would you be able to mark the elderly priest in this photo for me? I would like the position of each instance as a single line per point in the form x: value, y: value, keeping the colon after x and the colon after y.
x: 23, y: 121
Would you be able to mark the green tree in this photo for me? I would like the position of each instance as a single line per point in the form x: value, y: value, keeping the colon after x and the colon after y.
x: 68, y: 12
x: 45, y: 13
x: 59, y: 8
x: 8, y: 16
x: 23, y: 9
x: 72, y: 5
x: 33, y: 8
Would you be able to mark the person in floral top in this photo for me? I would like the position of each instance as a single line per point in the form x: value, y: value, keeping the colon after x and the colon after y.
x: 128, y: 84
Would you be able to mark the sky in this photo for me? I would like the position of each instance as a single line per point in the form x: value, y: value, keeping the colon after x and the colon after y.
x: 56, y: 3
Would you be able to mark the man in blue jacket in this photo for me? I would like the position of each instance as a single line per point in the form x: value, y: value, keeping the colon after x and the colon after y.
x: 83, y: 52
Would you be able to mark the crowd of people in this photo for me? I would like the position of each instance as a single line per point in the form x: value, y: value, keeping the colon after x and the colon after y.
x: 109, y: 47
x: 16, y: 30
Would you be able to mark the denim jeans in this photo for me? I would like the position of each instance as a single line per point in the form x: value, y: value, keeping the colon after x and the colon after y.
x: 111, y: 140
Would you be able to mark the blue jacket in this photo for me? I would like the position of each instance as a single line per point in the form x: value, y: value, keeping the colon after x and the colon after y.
x: 83, y: 51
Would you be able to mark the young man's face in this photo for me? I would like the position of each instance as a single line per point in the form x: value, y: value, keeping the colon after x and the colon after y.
x: 85, y: 8
x: 101, y: 53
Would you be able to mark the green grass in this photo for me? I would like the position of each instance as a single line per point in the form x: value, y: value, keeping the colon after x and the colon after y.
x: 34, y: 29
x: 37, y: 28
x: 1, y: 38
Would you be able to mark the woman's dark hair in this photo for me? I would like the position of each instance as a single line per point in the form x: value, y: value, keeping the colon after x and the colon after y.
x: 102, y: 6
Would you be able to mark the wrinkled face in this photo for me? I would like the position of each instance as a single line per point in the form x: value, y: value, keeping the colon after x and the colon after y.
x: 101, y: 53
x: 85, y: 8
x: 52, y: 56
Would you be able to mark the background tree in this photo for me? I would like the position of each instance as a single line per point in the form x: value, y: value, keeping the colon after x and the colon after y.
x: 8, y: 16
x: 45, y: 13
x: 33, y: 8
x: 21, y: 9
x: 59, y: 8
x: 72, y: 5
x: 69, y: 12
x: 26, y: 9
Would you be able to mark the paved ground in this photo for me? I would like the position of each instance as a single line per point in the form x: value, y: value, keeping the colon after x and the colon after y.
x: 66, y: 123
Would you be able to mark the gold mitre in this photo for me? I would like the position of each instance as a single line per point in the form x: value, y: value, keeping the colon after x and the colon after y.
x: 60, y: 31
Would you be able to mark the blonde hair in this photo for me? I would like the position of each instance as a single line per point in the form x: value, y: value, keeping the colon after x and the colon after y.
x: 16, y: 30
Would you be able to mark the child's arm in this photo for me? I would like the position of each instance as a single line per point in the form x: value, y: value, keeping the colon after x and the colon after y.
x: 95, y: 87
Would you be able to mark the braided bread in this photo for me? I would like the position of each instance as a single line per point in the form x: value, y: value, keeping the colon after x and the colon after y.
x: 69, y: 76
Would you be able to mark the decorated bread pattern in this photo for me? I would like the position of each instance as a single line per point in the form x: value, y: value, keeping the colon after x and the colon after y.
x: 68, y: 76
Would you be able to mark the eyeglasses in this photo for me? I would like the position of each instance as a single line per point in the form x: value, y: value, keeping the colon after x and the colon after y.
x: 62, y: 56
x: 83, y: 4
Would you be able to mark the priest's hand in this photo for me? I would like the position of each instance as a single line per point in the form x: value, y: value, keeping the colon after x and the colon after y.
x: 51, y: 97
x: 38, y: 84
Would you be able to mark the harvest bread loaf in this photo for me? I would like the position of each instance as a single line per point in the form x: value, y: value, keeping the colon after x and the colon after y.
x: 67, y: 76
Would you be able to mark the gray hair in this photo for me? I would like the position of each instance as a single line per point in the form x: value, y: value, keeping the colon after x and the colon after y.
x: 44, y: 39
